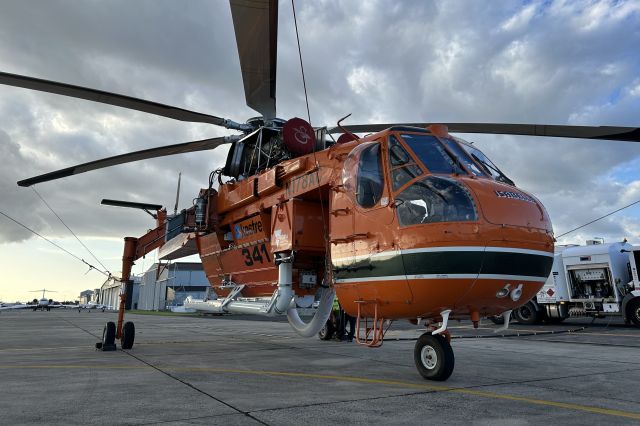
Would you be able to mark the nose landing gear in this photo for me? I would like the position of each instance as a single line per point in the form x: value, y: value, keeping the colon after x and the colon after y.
x: 433, y: 356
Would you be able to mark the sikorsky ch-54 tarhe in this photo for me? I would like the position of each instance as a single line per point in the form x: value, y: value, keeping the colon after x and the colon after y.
x: 408, y: 222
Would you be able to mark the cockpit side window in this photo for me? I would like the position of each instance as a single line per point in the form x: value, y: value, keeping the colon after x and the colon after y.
x: 432, y: 154
x: 362, y: 176
x: 370, y: 182
x: 403, y: 167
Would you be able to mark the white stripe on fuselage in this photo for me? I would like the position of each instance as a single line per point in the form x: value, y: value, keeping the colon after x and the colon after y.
x: 391, y: 253
x: 444, y: 277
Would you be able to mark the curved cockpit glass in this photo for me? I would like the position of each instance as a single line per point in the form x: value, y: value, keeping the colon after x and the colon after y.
x: 450, y: 156
x: 432, y: 154
x: 435, y: 199
x: 463, y: 156
x: 486, y: 164
x: 403, y: 167
x: 417, y: 168
x: 362, y: 174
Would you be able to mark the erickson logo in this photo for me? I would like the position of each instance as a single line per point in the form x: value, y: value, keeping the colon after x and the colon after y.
x: 246, y: 230
x: 514, y: 196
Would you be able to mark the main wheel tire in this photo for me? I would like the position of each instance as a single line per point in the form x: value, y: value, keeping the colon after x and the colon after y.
x: 633, y: 312
x: 128, y: 335
x: 434, y: 357
x: 326, y: 332
x: 109, y: 334
x: 527, y: 314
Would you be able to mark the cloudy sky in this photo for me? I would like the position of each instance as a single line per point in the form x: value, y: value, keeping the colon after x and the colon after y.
x: 543, y: 62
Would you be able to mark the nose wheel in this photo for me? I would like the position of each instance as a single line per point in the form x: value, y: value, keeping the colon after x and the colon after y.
x: 433, y: 356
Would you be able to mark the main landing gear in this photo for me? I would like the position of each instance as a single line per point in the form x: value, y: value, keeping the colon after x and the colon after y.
x: 433, y: 354
x: 108, y: 342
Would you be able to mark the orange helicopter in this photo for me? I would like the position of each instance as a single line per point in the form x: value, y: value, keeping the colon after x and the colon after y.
x: 407, y: 222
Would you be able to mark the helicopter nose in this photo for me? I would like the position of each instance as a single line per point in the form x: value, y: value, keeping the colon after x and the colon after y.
x: 508, y: 277
x: 505, y: 205
x: 518, y: 248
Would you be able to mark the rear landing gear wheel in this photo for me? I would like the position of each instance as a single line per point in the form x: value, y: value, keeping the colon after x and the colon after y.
x: 109, y: 335
x: 326, y: 332
x: 128, y: 335
x: 434, y: 357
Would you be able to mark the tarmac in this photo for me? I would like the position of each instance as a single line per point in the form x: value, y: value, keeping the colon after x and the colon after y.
x: 237, y: 370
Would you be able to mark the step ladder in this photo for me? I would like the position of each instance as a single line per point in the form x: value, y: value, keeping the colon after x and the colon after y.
x: 373, y: 328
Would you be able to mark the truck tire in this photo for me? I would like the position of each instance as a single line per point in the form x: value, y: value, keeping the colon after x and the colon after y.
x: 527, y: 314
x: 633, y: 311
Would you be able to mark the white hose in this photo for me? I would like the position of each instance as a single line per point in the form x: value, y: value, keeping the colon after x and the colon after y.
x: 319, y: 318
x: 285, y: 288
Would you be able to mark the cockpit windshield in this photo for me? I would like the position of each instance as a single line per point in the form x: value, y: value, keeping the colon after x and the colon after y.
x: 463, y: 156
x: 451, y: 156
x: 488, y: 166
x: 432, y: 154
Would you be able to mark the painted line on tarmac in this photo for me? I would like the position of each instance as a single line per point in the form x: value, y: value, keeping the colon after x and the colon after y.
x: 613, y: 334
x: 351, y: 379
x: 41, y: 348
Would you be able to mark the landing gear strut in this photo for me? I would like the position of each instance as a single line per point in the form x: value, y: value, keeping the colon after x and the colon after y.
x: 433, y: 356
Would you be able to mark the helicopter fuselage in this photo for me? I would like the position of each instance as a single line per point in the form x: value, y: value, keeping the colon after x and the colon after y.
x: 394, y: 236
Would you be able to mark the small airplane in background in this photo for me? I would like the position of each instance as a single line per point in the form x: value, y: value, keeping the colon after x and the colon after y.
x: 91, y: 305
x: 10, y: 306
x: 44, y: 303
x: 47, y: 304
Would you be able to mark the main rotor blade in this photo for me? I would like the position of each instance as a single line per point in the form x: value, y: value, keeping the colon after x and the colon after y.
x: 256, y: 26
x: 116, y: 99
x: 162, y: 151
x: 627, y: 134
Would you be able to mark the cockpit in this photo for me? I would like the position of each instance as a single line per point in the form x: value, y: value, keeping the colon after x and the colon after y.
x: 422, y: 170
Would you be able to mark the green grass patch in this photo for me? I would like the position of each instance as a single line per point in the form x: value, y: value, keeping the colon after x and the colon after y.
x: 163, y: 313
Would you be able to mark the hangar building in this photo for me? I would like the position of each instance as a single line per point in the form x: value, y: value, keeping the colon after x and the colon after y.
x: 166, y: 285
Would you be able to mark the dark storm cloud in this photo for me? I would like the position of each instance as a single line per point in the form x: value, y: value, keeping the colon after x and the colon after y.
x: 537, y: 62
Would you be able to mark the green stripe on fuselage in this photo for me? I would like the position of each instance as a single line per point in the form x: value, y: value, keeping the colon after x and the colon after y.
x: 445, y: 263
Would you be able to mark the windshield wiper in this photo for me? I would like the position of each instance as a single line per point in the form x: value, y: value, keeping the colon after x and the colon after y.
x: 488, y: 167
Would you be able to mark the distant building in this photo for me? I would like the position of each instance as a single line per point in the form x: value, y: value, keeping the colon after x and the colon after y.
x: 168, y: 285
x: 85, y: 296
x: 110, y: 293
x: 95, y: 296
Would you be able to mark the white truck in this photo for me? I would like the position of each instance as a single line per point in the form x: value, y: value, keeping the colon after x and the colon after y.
x: 595, y: 280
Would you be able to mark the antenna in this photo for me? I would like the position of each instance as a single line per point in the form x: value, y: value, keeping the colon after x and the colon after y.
x: 175, y: 209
